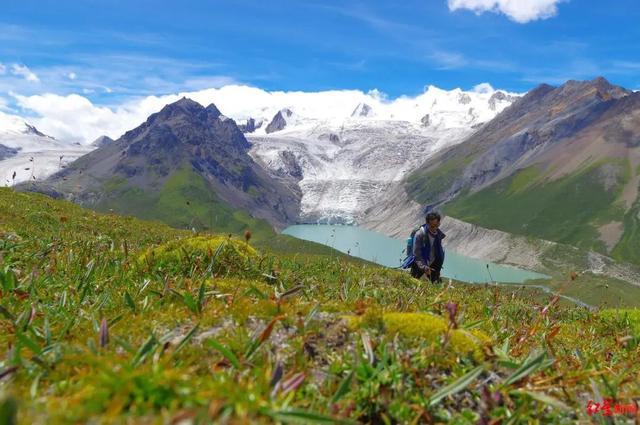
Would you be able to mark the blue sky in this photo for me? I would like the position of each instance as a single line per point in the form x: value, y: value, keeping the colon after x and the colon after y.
x: 111, y: 50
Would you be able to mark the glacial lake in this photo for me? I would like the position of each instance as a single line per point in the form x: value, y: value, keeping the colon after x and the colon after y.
x: 386, y: 251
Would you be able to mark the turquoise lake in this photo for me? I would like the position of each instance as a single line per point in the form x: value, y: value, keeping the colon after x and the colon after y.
x: 386, y: 251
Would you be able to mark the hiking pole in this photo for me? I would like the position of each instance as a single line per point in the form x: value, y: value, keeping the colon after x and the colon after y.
x: 489, y: 271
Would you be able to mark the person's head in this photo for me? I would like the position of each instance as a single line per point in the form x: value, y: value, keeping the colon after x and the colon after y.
x: 433, y: 221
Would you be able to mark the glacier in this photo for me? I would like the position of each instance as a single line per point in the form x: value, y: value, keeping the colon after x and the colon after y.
x: 348, y: 162
x: 32, y: 155
x: 345, y: 149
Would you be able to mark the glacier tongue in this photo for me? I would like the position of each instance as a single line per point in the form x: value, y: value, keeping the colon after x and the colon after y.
x: 344, y: 167
x: 347, y: 148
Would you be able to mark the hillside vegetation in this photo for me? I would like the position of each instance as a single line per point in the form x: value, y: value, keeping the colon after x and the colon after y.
x: 109, y: 319
x: 560, y: 164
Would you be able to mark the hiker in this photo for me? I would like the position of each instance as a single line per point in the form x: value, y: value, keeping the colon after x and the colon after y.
x: 428, y: 253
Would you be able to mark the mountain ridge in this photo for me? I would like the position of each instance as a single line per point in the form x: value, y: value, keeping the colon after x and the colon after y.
x: 192, y: 151
x: 551, y: 151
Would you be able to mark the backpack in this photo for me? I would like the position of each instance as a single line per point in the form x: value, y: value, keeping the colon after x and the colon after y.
x: 408, y: 261
x: 410, y: 242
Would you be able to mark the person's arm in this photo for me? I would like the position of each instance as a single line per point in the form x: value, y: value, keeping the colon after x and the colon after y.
x: 417, y: 251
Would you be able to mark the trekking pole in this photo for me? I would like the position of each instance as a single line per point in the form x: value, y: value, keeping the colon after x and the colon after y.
x: 490, y: 277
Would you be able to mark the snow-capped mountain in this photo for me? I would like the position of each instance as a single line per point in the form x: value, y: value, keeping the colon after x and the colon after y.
x: 346, y: 147
x: 343, y: 147
x: 27, y: 154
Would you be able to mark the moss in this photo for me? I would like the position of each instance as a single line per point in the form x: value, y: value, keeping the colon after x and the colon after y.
x: 426, y: 326
x: 222, y: 253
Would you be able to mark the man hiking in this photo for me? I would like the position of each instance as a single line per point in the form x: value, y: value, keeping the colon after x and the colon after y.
x: 428, y: 253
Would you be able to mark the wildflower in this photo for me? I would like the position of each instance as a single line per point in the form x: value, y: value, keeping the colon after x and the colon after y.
x: 452, y: 310
x: 104, y: 333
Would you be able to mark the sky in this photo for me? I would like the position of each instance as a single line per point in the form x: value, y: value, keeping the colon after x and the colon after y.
x: 106, y: 53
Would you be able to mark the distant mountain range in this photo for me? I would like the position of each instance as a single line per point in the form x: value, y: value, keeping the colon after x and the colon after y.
x: 561, y: 163
x: 349, y: 155
x: 186, y: 165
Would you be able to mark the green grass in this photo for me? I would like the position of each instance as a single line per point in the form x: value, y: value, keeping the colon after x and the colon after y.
x: 426, y: 185
x: 109, y: 319
x: 186, y: 201
x: 566, y: 210
x: 628, y: 247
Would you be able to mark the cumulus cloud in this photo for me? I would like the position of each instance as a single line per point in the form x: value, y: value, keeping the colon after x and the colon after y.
x: 521, y: 11
x: 72, y: 75
x: 3, y: 69
x: 75, y: 118
x: 483, y: 88
x: 24, y: 72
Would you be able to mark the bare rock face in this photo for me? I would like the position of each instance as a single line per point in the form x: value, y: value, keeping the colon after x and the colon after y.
x: 526, y: 132
x: 250, y: 126
x: 7, y: 152
x: 290, y: 165
x: 332, y: 137
x: 426, y: 120
x: 182, y: 136
x: 279, y: 121
x: 362, y: 110
x: 464, y: 99
x: 102, y: 141
x: 500, y: 97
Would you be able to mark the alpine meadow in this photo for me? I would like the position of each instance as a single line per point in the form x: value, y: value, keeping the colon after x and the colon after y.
x: 327, y: 212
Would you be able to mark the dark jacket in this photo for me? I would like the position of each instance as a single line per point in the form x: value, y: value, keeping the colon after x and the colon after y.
x: 422, y: 248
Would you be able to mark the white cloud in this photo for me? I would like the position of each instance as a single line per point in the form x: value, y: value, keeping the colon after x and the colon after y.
x: 521, y: 11
x: 449, y: 60
x: 4, y: 104
x: 75, y: 118
x: 24, y: 72
x: 3, y: 69
x: 483, y: 88
x: 72, y: 75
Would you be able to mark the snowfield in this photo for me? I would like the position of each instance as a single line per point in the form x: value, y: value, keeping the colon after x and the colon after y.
x: 347, y: 163
x: 345, y: 148
x: 30, y: 154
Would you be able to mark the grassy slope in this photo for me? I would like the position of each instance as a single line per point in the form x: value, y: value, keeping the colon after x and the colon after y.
x: 201, y: 334
x: 426, y: 185
x: 628, y: 247
x: 187, y: 201
x: 566, y: 210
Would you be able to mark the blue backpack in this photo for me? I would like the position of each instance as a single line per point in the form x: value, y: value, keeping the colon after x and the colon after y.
x: 410, y: 240
x: 408, y: 261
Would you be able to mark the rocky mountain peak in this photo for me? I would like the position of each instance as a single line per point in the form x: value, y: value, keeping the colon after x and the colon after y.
x: 279, y: 120
x: 464, y: 99
x: 30, y: 129
x: 250, y: 125
x: 362, y: 110
x: 102, y: 141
